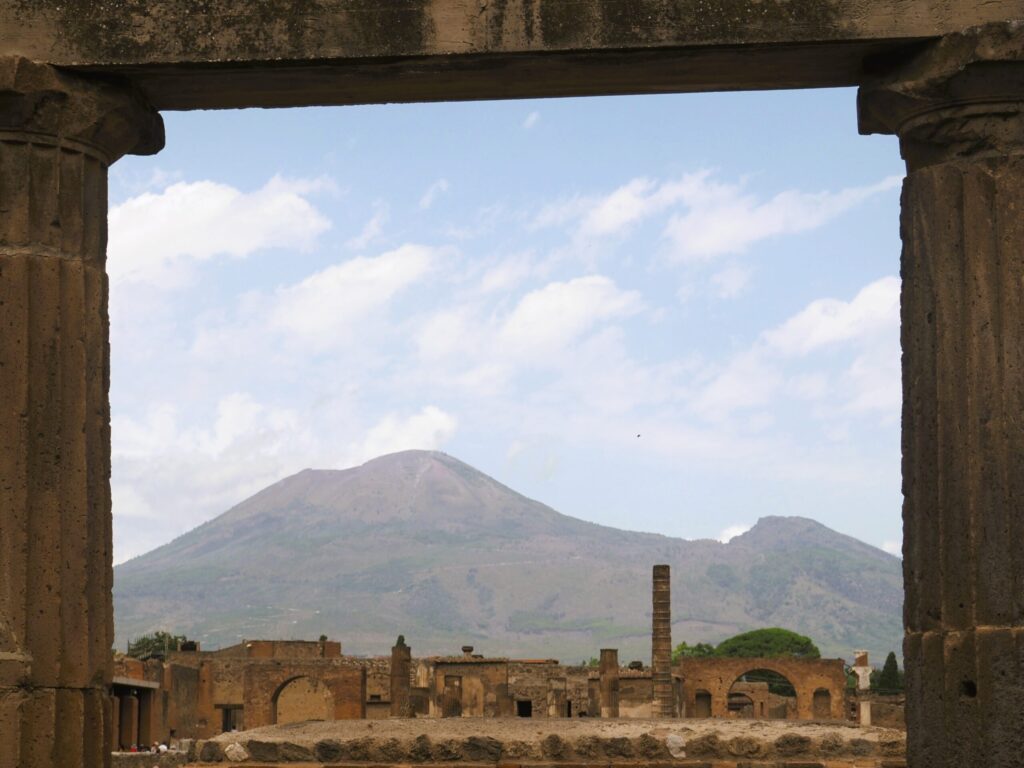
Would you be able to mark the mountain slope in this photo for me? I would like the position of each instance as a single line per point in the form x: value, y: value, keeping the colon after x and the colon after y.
x: 422, y: 544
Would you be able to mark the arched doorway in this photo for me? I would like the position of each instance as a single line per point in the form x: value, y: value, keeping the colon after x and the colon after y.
x: 702, y: 704
x: 762, y: 694
x: 822, y: 704
x: 302, y: 698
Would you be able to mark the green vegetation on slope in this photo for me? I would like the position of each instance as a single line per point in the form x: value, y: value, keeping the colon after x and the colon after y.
x: 420, y: 544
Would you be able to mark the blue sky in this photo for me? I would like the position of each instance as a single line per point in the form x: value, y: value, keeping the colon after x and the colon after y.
x: 673, y: 314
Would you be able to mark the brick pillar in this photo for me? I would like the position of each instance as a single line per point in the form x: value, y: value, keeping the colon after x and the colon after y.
x: 58, y: 134
x: 958, y: 108
x: 401, y: 668
x: 609, y: 671
x: 661, y: 643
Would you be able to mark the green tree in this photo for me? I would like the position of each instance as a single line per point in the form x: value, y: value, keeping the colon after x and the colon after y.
x: 155, y: 644
x: 769, y: 643
x: 890, y: 679
x: 698, y: 650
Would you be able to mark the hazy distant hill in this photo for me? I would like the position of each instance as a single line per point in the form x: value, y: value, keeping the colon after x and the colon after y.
x: 422, y: 544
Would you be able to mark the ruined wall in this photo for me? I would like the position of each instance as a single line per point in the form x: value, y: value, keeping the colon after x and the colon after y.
x: 716, y: 676
x: 304, y: 699
x: 636, y: 693
x: 264, y: 680
x: 465, y: 686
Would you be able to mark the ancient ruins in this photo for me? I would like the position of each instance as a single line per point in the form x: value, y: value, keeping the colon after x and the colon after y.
x: 82, y: 83
x: 209, y: 702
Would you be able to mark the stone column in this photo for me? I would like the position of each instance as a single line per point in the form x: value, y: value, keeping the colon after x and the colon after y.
x: 958, y: 109
x: 58, y: 135
x: 661, y: 643
x: 401, y: 665
x: 609, y: 682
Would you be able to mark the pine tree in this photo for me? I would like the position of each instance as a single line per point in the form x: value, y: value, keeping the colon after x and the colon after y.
x: 890, y: 679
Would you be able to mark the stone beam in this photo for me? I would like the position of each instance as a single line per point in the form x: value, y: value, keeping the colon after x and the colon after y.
x: 238, y: 53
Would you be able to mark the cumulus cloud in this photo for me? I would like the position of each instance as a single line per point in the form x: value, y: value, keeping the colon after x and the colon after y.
x: 156, y: 238
x: 327, y: 305
x: 546, y: 320
x: 875, y: 309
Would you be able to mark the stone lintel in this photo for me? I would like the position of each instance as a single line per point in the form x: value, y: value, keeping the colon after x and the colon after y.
x: 232, y: 53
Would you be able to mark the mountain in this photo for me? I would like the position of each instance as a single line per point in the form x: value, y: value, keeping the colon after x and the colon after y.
x: 422, y: 544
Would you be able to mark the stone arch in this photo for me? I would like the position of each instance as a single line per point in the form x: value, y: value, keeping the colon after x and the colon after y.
x: 301, y: 697
x: 762, y: 694
x: 716, y: 676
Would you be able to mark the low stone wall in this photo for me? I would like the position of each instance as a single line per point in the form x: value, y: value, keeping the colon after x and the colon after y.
x: 553, y: 749
x: 148, y: 760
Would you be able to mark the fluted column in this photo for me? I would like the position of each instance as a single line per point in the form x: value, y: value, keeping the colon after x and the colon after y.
x: 958, y: 109
x: 661, y: 642
x: 58, y: 135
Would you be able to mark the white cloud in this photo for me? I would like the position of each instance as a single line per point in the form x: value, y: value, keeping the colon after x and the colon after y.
x: 732, y: 281
x: 733, y: 531
x: 371, y: 230
x: 547, y: 320
x: 327, y: 306
x: 155, y: 238
x: 427, y: 430
x: 434, y: 191
x: 723, y: 219
x: 709, y: 218
x: 874, y: 310
x: 748, y: 380
x: 531, y: 120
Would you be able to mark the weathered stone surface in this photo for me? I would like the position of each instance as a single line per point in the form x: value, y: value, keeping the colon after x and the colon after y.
x: 608, y: 670
x: 58, y: 133
x: 401, y: 667
x: 661, y: 643
x: 676, y: 745
x: 230, y: 53
x: 236, y: 753
x: 959, y: 113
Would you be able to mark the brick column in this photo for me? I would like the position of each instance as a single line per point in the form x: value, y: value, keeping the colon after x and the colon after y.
x: 401, y: 667
x: 958, y: 109
x: 609, y: 682
x: 58, y: 134
x: 661, y: 643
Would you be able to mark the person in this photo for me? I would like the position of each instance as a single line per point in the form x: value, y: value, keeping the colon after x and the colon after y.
x: 162, y: 748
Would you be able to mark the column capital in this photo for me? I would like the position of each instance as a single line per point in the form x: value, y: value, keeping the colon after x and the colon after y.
x: 106, y: 118
x: 960, y: 99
